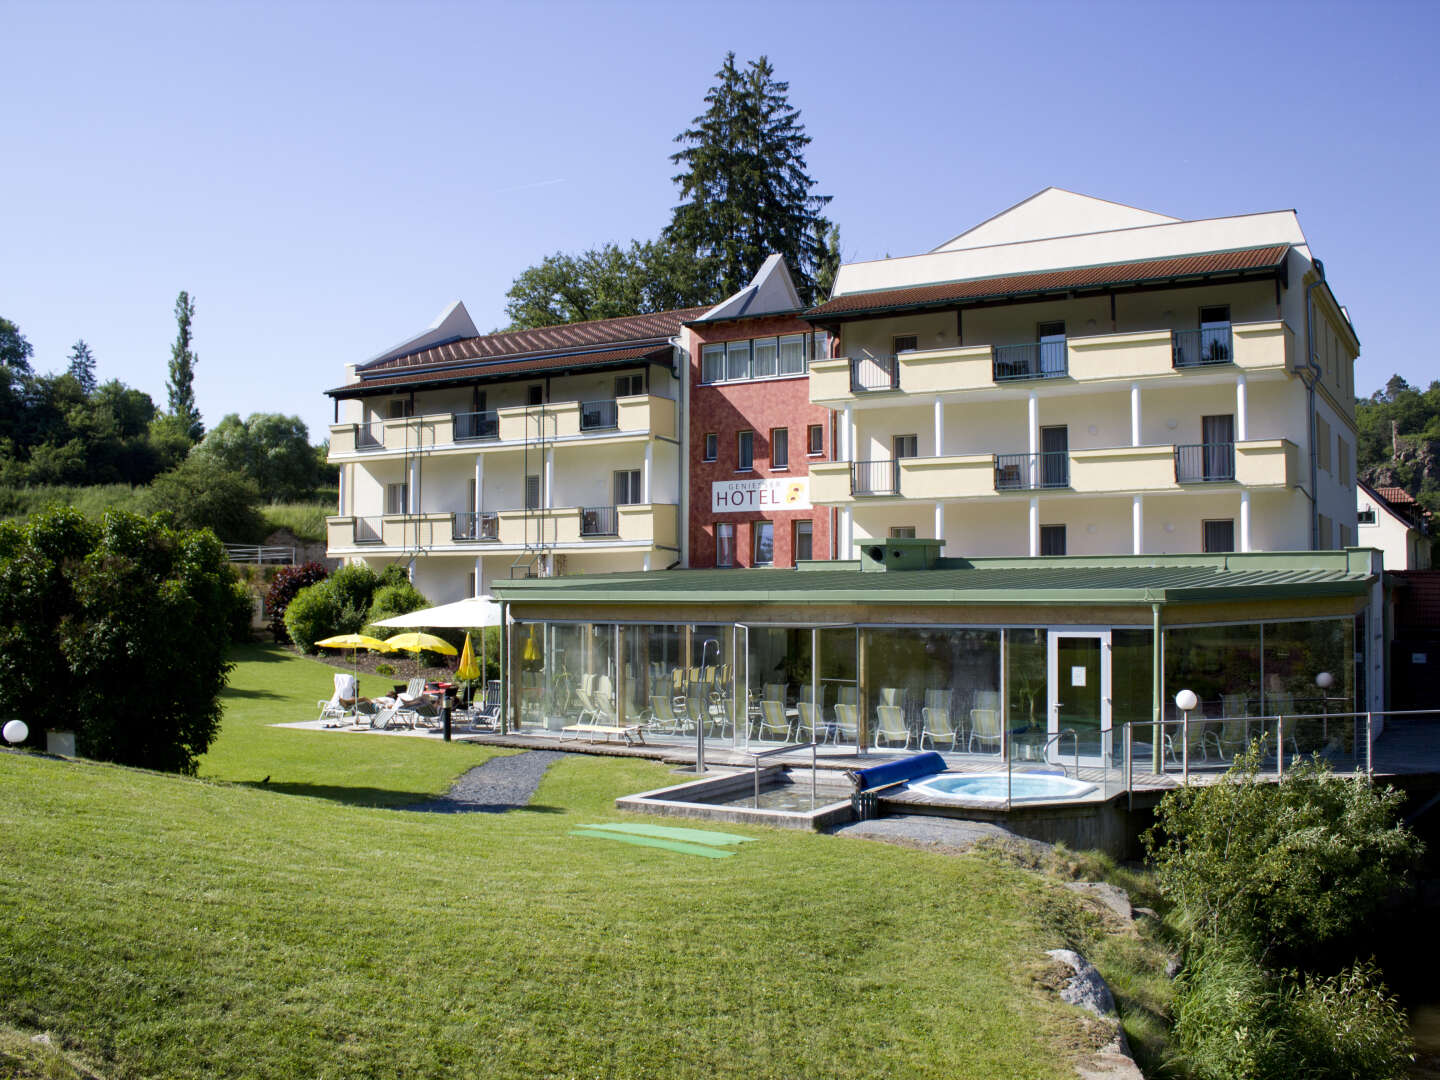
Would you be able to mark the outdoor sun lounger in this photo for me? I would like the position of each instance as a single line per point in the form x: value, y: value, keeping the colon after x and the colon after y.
x: 891, y: 725
x: 340, y: 701
x: 984, y: 729
x: 389, y: 716
x: 847, y: 725
x: 773, y: 719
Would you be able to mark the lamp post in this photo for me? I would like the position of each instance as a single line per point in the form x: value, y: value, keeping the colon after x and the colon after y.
x: 1185, y: 701
x: 1325, y: 681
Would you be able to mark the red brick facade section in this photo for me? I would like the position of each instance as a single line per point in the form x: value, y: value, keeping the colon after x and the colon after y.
x: 725, y: 410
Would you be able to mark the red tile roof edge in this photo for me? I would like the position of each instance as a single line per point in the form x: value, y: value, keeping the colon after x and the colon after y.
x: 500, y: 367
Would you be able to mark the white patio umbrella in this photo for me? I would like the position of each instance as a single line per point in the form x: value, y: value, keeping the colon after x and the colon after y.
x: 473, y: 611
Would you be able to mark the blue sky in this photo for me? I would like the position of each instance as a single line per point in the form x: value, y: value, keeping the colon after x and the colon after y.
x: 325, y: 178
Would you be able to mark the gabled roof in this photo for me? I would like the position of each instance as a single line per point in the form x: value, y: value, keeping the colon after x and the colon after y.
x: 770, y: 292
x: 1053, y: 212
x: 1257, y: 260
x: 571, y: 345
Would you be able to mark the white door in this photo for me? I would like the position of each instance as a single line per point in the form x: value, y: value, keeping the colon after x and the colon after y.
x: 1079, y: 696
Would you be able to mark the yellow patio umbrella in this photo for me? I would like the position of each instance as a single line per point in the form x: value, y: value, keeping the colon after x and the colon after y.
x: 354, y: 642
x: 416, y: 642
x: 468, y: 670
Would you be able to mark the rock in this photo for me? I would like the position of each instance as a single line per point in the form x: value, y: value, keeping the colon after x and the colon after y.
x: 1147, y: 913
x: 1087, y: 990
x: 1112, y: 896
x: 1172, y: 967
x: 43, y: 1039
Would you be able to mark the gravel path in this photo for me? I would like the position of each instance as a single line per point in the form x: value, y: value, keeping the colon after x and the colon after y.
x: 933, y: 833
x: 502, y: 783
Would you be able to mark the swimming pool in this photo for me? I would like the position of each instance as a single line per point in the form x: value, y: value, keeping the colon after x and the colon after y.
x: 991, y: 787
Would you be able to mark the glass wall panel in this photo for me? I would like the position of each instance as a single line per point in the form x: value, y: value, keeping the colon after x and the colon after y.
x: 939, y: 688
x: 1297, y: 656
x: 1027, y: 691
x: 1132, y: 687
x: 778, y: 670
x: 839, y: 686
x: 1221, y: 664
x: 710, y: 680
x: 655, y: 680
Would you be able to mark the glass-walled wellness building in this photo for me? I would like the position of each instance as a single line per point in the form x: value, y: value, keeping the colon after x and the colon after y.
x: 905, y: 650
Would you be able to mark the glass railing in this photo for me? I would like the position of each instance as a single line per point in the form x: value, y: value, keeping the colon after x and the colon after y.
x: 869, y: 373
x: 1036, y: 360
x: 477, y: 425
x: 881, y: 477
x: 1024, y: 472
x: 1198, y: 463
x: 1196, y: 348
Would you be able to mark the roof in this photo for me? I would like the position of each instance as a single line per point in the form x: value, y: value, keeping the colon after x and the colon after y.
x: 770, y: 292
x: 582, y: 344
x: 1397, y: 496
x: 1267, y: 260
x: 1127, y: 580
x: 1054, y: 211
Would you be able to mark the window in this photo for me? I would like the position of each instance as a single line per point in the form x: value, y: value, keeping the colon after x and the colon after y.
x: 737, y: 360
x: 1052, y: 539
x: 820, y: 346
x: 1322, y: 443
x: 629, y: 385
x: 815, y: 440
x: 804, y: 540
x: 1218, y: 535
x: 535, y: 395
x: 471, y: 584
x: 1215, y: 318
x: 397, y: 498
x: 532, y: 492
x: 792, y: 355
x: 764, y: 358
x: 712, y: 446
x: 764, y: 543
x: 724, y: 545
x: 1342, y: 458
x: 627, y: 487
x: 780, y: 448
x: 908, y: 343
x: 712, y: 364
x: 401, y: 407
x: 745, y: 451
x: 1366, y: 516
x: 902, y: 532
x: 1326, y: 533
x: 907, y: 446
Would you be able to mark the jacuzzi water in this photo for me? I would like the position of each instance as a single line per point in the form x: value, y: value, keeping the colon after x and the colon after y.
x: 792, y: 797
x: 991, y: 787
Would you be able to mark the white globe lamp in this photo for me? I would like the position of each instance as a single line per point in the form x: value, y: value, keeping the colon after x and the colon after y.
x: 15, y: 731
x: 1324, y: 680
x: 1186, y: 700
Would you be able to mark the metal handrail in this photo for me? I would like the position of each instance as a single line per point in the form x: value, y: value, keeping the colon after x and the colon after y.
x: 878, y: 477
x: 874, y: 372
x: 370, y: 436
x: 476, y: 425
x: 367, y: 530
x: 599, y: 415
x: 599, y: 521
x: 475, y: 525
x: 1197, y: 463
x: 1197, y: 348
x: 1025, y: 472
x: 1032, y: 360
x: 1044, y: 756
x: 756, y: 755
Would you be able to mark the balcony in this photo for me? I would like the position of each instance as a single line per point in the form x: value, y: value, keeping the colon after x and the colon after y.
x: 470, y: 527
x: 599, y: 415
x: 880, y: 477
x: 1200, y: 348
x: 476, y: 425
x: 1027, y: 472
x: 1040, y: 360
x: 599, y: 521
x: 871, y: 373
x: 635, y: 524
x: 1205, y: 463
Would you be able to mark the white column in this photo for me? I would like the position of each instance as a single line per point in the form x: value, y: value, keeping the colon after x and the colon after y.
x: 1134, y: 414
x: 479, y: 576
x: 847, y: 528
x: 549, y: 479
x: 645, y: 474
x: 1034, y: 425
x: 479, y: 485
x: 847, y: 448
x: 413, y: 484
x: 939, y: 520
x: 1137, y: 524
x: 939, y: 428
x: 1034, y: 520
x: 1242, y: 413
x: 344, y: 490
x: 1244, y: 520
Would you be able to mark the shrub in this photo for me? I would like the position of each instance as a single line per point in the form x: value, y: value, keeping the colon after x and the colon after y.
x: 288, y: 581
x: 392, y: 600
x: 312, y: 616
x: 384, y: 669
x: 1279, y: 868
x: 200, y: 494
x: 118, y: 629
x: 353, y: 587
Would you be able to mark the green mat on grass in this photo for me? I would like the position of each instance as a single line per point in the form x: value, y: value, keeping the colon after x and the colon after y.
x: 672, y: 832
x: 655, y: 842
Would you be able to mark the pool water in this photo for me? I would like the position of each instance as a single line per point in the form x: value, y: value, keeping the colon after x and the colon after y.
x: 991, y: 787
x: 780, y: 797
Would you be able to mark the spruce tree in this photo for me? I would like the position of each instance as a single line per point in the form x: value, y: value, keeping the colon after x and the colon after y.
x: 82, y: 366
x: 744, y: 189
x: 182, y: 371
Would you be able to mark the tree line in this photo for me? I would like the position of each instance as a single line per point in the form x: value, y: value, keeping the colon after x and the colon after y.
x: 1399, y: 439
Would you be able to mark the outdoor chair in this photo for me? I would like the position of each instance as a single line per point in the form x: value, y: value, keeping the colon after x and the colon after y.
x: 1235, y: 724
x: 890, y: 695
x: 936, y: 725
x: 807, y: 722
x: 848, y: 695
x: 664, y: 720
x: 773, y: 692
x: 1200, y: 736
x: 414, y: 690
x: 891, y: 725
x: 847, y: 726
x: 774, y: 720
x: 340, y: 701
x: 984, y: 729
x: 423, y: 711
x: 389, y: 716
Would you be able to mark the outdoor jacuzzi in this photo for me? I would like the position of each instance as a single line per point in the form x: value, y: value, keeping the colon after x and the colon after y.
x: 991, y: 788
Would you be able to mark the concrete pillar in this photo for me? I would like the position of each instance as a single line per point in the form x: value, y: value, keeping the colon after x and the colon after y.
x: 549, y: 499
x: 412, y: 483
x: 645, y: 473
x: 1034, y: 522
x: 1137, y: 525
x: 1134, y: 414
x: 939, y: 427
x: 1242, y: 410
x: 1244, y: 520
x: 1033, y: 417
x: 939, y: 520
x: 479, y: 576
x: 847, y: 445
x: 479, y: 483
x: 846, y: 534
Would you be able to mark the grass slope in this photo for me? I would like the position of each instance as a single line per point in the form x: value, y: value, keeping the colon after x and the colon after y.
x: 188, y: 928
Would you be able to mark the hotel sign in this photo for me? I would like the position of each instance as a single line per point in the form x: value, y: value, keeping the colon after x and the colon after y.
x: 745, y: 496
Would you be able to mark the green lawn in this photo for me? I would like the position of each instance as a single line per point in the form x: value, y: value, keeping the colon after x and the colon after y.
x: 218, y: 927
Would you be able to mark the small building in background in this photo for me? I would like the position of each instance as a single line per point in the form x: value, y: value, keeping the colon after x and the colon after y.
x: 1389, y: 519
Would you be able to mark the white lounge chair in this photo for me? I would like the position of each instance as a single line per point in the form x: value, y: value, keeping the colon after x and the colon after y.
x: 341, y: 702
x: 984, y: 729
x: 773, y: 720
x: 890, y: 726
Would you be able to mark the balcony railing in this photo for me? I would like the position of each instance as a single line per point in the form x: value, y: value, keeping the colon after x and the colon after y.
x: 477, y: 425
x: 1199, y: 463
x: 869, y: 373
x: 369, y: 436
x: 472, y: 526
x: 1039, y: 360
x: 1195, y: 348
x: 599, y: 415
x: 367, y: 530
x: 881, y: 477
x: 1025, y: 472
x: 599, y: 521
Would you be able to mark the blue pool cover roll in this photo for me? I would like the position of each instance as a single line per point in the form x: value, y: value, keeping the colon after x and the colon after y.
x: 892, y: 772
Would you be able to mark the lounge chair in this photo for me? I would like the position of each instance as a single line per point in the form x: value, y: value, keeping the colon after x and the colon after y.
x: 390, y: 715
x: 936, y: 725
x: 774, y: 720
x: 807, y: 722
x: 891, y: 725
x: 341, y: 701
x: 664, y: 720
x: 414, y: 691
x: 984, y: 729
x: 891, y: 695
x: 847, y: 725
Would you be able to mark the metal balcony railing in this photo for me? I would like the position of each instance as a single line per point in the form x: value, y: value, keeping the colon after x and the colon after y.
x: 484, y: 525
x: 870, y: 373
x: 477, y: 425
x: 367, y: 530
x: 599, y: 415
x: 1025, y: 472
x: 1038, y: 360
x: 599, y: 521
x: 880, y: 477
x: 1199, y: 463
x: 369, y: 436
x: 1195, y: 348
